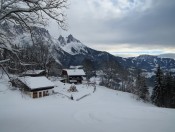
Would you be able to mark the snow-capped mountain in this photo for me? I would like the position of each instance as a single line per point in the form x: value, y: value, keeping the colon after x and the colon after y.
x: 75, y: 52
x: 79, y: 51
x: 72, y: 45
x: 149, y: 62
x: 168, y: 55
x: 70, y: 51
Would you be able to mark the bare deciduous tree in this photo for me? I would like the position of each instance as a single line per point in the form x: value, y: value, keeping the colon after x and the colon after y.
x: 28, y: 13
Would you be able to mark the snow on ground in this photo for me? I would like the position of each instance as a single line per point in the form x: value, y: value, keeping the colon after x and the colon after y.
x: 105, y: 110
x: 62, y: 89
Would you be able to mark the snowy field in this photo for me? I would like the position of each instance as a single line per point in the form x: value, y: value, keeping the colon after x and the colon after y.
x: 103, y: 111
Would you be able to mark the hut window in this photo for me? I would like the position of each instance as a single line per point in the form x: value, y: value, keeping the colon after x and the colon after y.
x: 40, y: 94
x: 35, y: 95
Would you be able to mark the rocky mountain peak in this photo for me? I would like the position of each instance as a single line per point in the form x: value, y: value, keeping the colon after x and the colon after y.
x: 70, y: 38
x: 62, y: 40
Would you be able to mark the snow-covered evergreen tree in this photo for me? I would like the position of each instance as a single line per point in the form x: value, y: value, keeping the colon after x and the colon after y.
x: 169, y: 90
x: 144, y: 93
x: 137, y: 83
x: 141, y: 88
x: 158, y: 91
x: 173, y: 94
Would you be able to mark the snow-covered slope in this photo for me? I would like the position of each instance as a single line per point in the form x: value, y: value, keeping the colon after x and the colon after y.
x: 105, y: 110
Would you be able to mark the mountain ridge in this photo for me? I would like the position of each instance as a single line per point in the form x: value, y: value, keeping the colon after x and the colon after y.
x: 145, y: 62
x: 70, y: 51
x: 167, y: 55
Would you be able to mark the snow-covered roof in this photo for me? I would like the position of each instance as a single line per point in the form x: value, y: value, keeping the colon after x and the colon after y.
x: 75, y: 72
x: 76, y: 67
x: 36, y: 82
x: 33, y: 72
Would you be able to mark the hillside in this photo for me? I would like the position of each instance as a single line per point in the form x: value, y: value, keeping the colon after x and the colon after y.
x: 102, y: 111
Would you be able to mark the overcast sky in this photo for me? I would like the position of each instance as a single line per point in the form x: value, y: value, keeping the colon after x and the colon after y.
x: 123, y: 26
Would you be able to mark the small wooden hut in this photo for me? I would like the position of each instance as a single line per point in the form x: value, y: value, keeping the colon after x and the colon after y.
x: 73, y: 75
x: 36, y: 86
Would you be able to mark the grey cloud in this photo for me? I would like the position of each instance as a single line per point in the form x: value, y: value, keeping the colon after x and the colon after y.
x: 156, y: 25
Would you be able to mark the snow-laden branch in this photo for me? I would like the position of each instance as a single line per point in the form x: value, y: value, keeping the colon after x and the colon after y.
x: 3, y: 61
x: 30, y: 6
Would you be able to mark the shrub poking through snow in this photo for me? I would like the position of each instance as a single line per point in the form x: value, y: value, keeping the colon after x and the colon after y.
x: 72, y: 88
